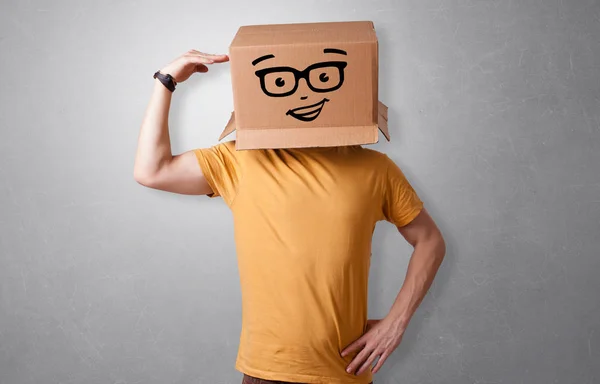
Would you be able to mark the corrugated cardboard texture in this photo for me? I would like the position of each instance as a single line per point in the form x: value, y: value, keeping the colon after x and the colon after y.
x: 304, y: 85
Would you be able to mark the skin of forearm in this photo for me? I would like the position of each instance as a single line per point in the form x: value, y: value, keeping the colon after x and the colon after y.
x: 154, y: 143
x: 426, y: 259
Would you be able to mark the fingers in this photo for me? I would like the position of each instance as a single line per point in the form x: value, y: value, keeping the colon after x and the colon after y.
x: 359, y: 360
x: 220, y: 58
x: 208, y: 58
x: 198, y: 59
x: 380, y: 362
x: 368, y: 363
x: 354, y: 346
x: 201, y: 68
x: 199, y: 62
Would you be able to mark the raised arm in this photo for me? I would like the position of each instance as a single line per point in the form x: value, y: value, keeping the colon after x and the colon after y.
x: 155, y: 165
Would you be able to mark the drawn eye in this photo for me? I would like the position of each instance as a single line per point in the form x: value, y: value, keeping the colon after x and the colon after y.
x: 325, y: 78
x: 279, y: 82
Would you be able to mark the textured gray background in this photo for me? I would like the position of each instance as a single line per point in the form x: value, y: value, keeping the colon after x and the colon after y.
x: 495, y: 117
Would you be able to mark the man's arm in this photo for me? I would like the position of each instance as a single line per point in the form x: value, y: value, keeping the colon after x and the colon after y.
x: 155, y: 166
x: 429, y: 251
x: 384, y: 336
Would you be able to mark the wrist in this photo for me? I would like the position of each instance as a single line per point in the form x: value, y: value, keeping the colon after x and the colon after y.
x: 399, y: 320
x: 166, y: 80
x: 159, y: 87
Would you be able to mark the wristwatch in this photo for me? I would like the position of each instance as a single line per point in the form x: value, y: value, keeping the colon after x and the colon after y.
x: 167, y: 80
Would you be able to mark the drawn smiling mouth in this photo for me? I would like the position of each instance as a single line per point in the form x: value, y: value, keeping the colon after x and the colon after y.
x: 308, y: 113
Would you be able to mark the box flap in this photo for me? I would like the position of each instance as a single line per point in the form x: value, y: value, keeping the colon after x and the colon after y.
x: 382, y: 122
x: 382, y: 119
x: 306, y: 137
x: 230, y: 127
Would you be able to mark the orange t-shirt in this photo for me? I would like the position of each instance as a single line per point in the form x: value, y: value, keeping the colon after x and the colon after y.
x: 303, y: 223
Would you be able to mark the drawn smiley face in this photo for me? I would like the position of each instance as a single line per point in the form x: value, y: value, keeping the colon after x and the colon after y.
x: 322, y: 77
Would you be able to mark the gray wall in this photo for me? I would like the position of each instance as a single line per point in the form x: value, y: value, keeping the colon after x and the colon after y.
x: 495, y: 118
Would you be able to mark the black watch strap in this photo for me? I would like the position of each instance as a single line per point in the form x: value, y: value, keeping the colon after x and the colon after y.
x: 167, y: 80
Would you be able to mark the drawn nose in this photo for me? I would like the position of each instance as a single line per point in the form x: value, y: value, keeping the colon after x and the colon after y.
x: 303, y: 97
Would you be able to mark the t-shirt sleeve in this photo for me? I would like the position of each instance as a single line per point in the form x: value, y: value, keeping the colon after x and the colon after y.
x: 221, y: 167
x: 401, y: 204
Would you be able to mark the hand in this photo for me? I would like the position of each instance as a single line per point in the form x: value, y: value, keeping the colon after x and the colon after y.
x: 192, y: 61
x: 381, y: 338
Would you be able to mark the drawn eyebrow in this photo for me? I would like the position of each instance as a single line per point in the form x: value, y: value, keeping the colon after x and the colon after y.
x: 334, y: 50
x: 265, y: 57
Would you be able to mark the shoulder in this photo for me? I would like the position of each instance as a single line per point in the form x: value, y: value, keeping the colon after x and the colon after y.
x: 227, y: 146
x: 222, y: 155
x: 380, y: 159
x: 227, y: 149
x: 385, y: 167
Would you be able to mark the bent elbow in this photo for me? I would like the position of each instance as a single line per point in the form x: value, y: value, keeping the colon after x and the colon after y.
x: 143, y: 178
x: 441, y: 246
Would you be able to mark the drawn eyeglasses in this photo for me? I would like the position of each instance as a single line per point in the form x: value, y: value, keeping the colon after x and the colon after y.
x: 320, y: 77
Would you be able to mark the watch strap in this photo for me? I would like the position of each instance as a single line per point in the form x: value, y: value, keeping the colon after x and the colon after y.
x: 166, y: 79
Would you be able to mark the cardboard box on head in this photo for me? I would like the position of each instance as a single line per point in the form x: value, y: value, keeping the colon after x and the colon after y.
x: 305, y: 85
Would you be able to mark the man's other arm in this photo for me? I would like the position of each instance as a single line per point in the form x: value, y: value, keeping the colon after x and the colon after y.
x: 429, y: 251
x: 383, y: 336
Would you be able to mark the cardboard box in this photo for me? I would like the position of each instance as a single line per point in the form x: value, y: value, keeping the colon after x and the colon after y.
x: 305, y: 85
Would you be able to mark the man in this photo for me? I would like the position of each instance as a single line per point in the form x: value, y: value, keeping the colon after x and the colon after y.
x: 304, y: 219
